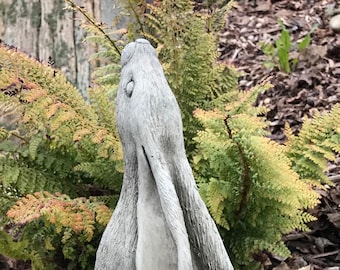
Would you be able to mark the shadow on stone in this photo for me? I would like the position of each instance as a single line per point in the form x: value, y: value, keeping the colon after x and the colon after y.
x: 160, y: 221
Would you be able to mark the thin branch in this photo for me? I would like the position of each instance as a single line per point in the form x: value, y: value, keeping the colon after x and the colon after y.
x: 19, y: 137
x: 136, y: 16
x: 94, y: 23
x: 335, y: 178
x: 326, y: 254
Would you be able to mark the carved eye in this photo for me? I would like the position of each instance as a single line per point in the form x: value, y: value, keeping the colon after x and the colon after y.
x: 129, y: 88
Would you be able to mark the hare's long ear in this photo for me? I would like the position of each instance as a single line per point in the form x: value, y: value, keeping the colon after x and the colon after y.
x: 209, y: 250
x: 170, y: 203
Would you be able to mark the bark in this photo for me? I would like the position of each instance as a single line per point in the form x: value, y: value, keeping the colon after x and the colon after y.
x: 160, y: 221
x: 43, y: 29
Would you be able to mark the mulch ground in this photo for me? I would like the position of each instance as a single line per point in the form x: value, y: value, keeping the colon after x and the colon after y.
x: 313, y: 85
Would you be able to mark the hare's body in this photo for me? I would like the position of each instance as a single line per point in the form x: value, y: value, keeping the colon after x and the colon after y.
x: 160, y: 221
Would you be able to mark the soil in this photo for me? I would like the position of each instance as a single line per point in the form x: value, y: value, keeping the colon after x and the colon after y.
x: 314, y: 84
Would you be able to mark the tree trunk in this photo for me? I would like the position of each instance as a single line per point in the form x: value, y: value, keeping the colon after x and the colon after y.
x: 43, y: 29
x: 160, y: 221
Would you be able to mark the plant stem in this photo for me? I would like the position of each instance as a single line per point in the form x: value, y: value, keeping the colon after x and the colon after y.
x: 245, y: 172
x: 93, y: 22
x: 136, y: 16
x: 19, y: 137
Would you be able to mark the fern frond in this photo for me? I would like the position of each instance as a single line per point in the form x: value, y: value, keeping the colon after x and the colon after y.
x: 104, y: 108
x: 247, y: 180
x: 53, y: 108
x: 26, y: 180
x: 10, y: 113
x: 34, y: 145
x: 59, y: 209
x: 92, y: 21
x: 216, y: 198
x: 317, y: 142
x: 4, y: 134
x: 13, y: 249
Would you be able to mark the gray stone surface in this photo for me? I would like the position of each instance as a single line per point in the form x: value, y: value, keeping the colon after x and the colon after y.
x: 160, y: 221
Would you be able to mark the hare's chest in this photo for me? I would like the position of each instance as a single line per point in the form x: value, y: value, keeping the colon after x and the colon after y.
x: 155, y: 246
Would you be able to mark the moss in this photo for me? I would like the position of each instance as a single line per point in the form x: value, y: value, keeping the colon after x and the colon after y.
x: 36, y: 14
x: 23, y: 12
x: 51, y: 21
x: 11, y: 14
x: 56, y: 14
x: 61, y: 52
x: 59, y: 9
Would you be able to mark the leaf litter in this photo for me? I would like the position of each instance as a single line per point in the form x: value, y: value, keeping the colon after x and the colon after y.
x: 314, y: 84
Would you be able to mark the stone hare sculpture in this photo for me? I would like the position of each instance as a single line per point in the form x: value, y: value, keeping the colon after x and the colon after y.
x: 160, y: 221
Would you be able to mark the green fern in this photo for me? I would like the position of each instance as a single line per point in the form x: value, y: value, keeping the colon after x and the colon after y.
x: 247, y: 181
x: 317, y: 142
x: 102, y: 103
x: 55, y: 121
x: 187, y: 48
x: 34, y: 145
x: 10, y: 248
x: 102, y: 172
x: 49, y: 131
x: 25, y: 179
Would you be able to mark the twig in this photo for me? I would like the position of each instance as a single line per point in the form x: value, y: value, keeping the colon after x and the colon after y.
x: 234, y: 55
x: 326, y: 254
x: 19, y: 137
x: 294, y: 236
x: 94, y: 23
x: 334, y: 178
x: 136, y: 16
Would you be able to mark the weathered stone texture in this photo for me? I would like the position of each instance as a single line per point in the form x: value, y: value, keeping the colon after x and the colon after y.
x: 160, y: 221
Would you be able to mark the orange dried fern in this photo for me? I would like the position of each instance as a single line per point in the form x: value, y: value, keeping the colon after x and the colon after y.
x: 79, y: 214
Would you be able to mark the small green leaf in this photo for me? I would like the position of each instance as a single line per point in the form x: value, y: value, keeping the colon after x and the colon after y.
x: 267, y: 48
x: 307, y: 39
x: 269, y: 64
x: 48, y: 244
x: 284, y: 60
x: 304, y: 43
x: 284, y: 40
x: 294, y: 63
x: 283, y: 27
x: 34, y: 145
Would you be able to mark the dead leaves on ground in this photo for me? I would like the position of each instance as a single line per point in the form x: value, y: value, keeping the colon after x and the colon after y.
x: 313, y: 85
